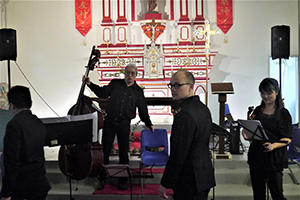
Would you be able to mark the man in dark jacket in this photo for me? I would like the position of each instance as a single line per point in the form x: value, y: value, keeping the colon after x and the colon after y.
x: 24, y: 175
x: 125, y: 95
x: 189, y: 170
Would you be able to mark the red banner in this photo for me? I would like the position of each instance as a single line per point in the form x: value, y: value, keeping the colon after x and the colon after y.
x: 224, y: 15
x: 83, y: 16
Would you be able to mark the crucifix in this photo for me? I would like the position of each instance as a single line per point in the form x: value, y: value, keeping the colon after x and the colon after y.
x: 207, y: 32
x: 153, y: 24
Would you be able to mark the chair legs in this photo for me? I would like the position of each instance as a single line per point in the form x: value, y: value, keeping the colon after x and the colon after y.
x: 293, y: 176
x: 142, y: 176
x: 292, y: 173
x: 142, y: 179
x: 130, y: 181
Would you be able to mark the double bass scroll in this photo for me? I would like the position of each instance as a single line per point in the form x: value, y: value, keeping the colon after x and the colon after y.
x: 79, y: 107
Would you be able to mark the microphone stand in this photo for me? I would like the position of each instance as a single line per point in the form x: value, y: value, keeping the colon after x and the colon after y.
x: 266, y: 163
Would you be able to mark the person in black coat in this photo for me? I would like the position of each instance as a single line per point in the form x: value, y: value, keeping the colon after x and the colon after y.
x: 189, y: 171
x: 125, y: 96
x: 267, y: 159
x: 24, y: 175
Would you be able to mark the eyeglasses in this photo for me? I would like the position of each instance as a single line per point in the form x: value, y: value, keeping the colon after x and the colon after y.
x: 176, y: 85
x: 132, y: 73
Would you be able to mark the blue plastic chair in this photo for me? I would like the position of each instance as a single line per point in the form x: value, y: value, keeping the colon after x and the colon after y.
x: 154, y: 150
x: 294, y: 152
x: 228, y: 116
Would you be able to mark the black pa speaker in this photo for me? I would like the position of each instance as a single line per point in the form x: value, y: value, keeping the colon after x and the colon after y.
x: 8, y: 44
x: 280, y: 44
x: 234, y: 138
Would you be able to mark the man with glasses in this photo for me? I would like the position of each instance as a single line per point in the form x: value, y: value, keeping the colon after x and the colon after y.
x: 189, y: 170
x: 125, y: 95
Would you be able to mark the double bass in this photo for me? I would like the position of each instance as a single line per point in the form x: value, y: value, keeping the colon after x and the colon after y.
x: 78, y: 161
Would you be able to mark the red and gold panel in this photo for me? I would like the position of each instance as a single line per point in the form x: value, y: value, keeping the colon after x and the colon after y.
x: 83, y: 16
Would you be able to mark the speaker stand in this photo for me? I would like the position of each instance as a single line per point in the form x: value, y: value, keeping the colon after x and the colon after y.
x: 8, y: 68
x: 280, y: 81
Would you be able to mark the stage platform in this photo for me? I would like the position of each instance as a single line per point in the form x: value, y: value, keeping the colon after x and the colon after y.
x: 232, y: 177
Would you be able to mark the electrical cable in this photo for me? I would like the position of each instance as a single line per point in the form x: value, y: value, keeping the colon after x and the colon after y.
x: 35, y: 90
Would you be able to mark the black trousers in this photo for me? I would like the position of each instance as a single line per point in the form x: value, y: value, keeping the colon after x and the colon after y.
x: 260, y: 176
x: 180, y: 195
x: 122, y: 130
x: 40, y: 197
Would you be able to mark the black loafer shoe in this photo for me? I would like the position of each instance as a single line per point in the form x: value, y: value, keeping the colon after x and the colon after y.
x: 122, y: 186
x: 101, y: 185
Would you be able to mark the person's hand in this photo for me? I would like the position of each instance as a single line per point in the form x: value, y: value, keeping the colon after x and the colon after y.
x: 162, y: 192
x: 244, y: 135
x: 152, y: 129
x: 268, y: 146
x: 86, y: 79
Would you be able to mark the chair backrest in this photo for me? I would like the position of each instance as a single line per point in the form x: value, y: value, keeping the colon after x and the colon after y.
x: 229, y: 118
x: 296, y: 137
x: 154, y: 140
x: 5, y: 117
x: 294, y: 145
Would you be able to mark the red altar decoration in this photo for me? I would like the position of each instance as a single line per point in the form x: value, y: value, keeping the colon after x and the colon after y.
x: 159, y: 29
x: 153, y: 15
x: 83, y: 17
x: 224, y: 15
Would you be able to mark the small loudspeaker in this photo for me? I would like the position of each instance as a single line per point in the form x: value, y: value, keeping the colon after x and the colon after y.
x: 8, y: 44
x: 280, y: 42
x: 234, y: 138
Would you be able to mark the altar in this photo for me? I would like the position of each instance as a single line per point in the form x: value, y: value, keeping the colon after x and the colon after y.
x: 159, y: 37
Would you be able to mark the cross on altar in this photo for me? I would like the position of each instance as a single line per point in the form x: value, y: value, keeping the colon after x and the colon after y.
x: 207, y: 33
x: 153, y: 24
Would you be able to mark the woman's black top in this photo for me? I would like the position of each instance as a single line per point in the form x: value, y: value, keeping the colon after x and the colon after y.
x: 275, y: 130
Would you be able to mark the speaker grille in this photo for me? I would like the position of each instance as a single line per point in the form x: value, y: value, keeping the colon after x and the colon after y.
x: 8, y: 44
x: 280, y: 43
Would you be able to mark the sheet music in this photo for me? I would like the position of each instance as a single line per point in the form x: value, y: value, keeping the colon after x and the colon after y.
x: 69, y: 120
x: 93, y: 116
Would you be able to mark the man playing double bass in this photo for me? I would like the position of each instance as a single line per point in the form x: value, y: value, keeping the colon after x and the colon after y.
x: 125, y: 96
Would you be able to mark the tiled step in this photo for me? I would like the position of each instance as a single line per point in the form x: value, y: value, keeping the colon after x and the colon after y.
x: 220, y: 192
x: 226, y: 172
x: 232, y: 177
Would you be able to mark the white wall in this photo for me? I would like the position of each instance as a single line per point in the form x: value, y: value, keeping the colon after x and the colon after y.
x: 244, y: 60
x: 52, y: 55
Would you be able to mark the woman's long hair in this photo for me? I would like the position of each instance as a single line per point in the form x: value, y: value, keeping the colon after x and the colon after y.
x: 269, y: 85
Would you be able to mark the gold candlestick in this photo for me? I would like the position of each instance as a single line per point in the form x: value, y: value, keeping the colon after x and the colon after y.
x: 178, y: 50
x: 107, y: 43
x: 194, y: 50
x: 126, y: 52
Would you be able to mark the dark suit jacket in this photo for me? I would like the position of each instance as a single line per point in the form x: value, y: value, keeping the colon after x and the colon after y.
x: 23, y: 154
x: 189, y: 167
x: 123, y: 100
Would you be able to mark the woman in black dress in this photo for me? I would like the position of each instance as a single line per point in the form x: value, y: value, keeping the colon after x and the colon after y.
x: 267, y: 159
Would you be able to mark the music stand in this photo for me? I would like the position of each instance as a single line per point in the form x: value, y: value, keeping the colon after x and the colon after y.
x: 253, y: 129
x: 70, y: 130
x: 119, y: 171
